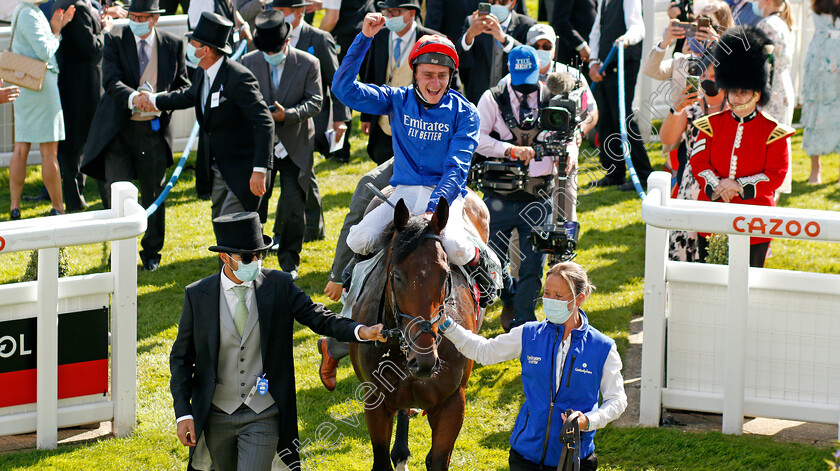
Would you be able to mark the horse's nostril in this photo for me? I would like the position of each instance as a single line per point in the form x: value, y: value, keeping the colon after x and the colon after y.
x: 413, y: 365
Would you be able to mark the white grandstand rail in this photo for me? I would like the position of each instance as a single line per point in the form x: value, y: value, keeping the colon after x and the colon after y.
x: 121, y: 226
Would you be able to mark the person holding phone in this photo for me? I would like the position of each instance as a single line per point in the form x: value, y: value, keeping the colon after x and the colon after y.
x: 566, y: 364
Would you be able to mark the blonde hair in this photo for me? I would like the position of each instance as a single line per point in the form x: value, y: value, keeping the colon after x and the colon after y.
x: 785, y: 12
x: 575, y: 277
x: 719, y: 12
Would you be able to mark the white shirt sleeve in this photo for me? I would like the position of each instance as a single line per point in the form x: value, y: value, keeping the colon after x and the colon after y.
x: 486, y: 351
x: 131, y: 99
x: 595, y: 36
x: 633, y: 20
x: 332, y: 4
x: 183, y: 418
x: 356, y: 333
x: 612, y: 392
x: 488, y: 113
x: 464, y: 44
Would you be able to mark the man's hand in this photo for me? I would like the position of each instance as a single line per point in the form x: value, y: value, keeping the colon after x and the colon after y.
x: 107, y: 23
x: 673, y: 11
x: 583, y: 420
x: 373, y: 23
x: 585, y: 52
x: 8, y: 94
x: 594, y: 73
x: 143, y: 102
x: 333, y: 291
x: 258, y: 183
x: 186, y: 432
x: 314, y: 5
x: 478, y: 25
x: 340, y: 128
x: 245, y: 32
x: 372, y: 333
x: 706, y: 34
x: 60, y: 18
x: 366, y: 128
x: 116, y: 11
x: 523, y: 153
x: 279, y: 114
x: 493, y: 27
x: 622, y: 40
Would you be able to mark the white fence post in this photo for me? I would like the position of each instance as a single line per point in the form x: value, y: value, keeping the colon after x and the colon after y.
x: 124, y: 319
x: 653, y: 355
x: 736, y: 334
x: 47, y: 354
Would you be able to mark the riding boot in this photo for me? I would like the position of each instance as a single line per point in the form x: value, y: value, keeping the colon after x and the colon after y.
x: 485, y: 271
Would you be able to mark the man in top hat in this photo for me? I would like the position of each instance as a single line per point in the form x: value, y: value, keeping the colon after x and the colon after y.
x: 290, y: 82
x: 320, y: 44
x: 235, y: 121
x: 387, y: 64
x: 233, y: 382
x: 124, y: 143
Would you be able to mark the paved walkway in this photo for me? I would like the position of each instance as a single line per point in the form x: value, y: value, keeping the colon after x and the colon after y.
x: 66, y: 436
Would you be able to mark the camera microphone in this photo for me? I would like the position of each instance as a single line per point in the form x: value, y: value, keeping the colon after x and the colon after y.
x: 559, y: 83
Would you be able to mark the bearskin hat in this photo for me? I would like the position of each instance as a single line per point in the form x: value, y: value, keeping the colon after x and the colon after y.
x: 743, y: 58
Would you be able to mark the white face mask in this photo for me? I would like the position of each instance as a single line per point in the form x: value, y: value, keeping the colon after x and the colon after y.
x: 544, y: 57
x: 500, y: 11
x: 247, y: 271
x: 556, y: 310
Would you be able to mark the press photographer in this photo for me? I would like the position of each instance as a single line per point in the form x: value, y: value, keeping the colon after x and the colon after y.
x: 522, y: 167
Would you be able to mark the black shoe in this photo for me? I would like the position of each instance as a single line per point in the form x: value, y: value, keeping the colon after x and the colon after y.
x: 150, y: 265
x: 15, y: 214
x: 204, y: 197
x: 312, y: 236
x: 629, y: 186
x: 607, y: 181
x: 55, y: 212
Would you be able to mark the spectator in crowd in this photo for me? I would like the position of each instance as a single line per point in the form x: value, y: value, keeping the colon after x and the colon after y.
x: 38, y: 116
x: 79, y: 59
x: 681, y: 11
x: 387, y: 64
x: 678, y: 127
x: 743, y: 12
x: 246, y: 314
x: 235, y: 121
x: 573, y: 21
x: 741, y: 156
x: 448, y: 16
x: 618, y: 21
x: 821, y: 86
x: 486, y: 43
x: 776, y: 23
x: 290, y: 82
x: 343, y: 19
x: 333, y: 113
x: 125, y: 143
x: 566, y: 353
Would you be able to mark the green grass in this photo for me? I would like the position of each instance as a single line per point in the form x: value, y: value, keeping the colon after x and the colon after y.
x: 611, y: 249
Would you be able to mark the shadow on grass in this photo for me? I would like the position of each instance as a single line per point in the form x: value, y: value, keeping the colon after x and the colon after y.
x: 36, y: 458
x: 340, y: 199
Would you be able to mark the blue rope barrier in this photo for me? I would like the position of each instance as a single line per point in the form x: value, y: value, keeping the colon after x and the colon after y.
x: 176, y: 174
x: 622, y: 118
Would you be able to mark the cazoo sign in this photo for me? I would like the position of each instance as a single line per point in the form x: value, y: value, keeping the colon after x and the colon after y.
x: 776, y: 226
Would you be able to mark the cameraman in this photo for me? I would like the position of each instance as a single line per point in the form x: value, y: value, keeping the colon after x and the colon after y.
x: 520, y: 96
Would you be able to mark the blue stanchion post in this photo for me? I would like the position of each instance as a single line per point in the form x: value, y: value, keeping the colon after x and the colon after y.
x: 176, y: 174
x: 622, y: 121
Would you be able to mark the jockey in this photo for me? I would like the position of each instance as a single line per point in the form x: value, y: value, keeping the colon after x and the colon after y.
x: 435, y: 132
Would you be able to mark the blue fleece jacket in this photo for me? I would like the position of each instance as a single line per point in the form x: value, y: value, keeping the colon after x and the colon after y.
x: 432, y: 147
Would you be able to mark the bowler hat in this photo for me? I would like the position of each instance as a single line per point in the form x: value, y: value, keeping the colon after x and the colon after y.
x: 239, y: 233
x: 407, y: 4
x: 288, y: 4
x: 144, y: 6
x: 212, y: 30
x: 271, y: 31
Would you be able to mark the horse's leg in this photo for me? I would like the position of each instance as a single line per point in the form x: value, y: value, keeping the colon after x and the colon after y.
x: 400, y: 452
x: 380, y: 424
x: 445, y: 421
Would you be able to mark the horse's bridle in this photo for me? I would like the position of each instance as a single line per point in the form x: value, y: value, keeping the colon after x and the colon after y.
x: 425, y: 326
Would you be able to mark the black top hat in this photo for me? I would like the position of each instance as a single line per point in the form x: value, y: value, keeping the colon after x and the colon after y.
x: 239, y: 233
x: 742, y: 55
x: 212, y: 30
x: 288, y: 4
x: 144, y: 6
x: 271, y: 31
x: 407, y: 4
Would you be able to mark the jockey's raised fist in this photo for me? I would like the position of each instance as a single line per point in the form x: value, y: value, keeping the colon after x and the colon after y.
x: 373, y: 23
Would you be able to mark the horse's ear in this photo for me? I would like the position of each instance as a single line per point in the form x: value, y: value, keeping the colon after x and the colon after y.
x: 401, y: 215
x: 441, y: 215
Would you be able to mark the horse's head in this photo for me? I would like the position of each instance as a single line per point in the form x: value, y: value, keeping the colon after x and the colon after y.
x: 418, y: 284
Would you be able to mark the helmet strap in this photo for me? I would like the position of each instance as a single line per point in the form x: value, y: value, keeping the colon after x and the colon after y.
x: 419, y: 95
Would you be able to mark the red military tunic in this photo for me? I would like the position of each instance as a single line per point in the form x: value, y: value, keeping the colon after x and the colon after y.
x: 752, y: 150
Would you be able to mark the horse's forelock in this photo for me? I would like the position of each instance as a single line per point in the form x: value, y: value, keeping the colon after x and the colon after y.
x: 406, y: 241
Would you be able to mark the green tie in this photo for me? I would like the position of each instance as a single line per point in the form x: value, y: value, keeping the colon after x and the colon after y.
x: 240, y: 316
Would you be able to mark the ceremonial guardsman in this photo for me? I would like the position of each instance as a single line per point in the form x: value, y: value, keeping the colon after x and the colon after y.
x: 741, y: 156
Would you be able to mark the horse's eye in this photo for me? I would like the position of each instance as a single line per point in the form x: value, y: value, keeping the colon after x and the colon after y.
x: 397, y: 277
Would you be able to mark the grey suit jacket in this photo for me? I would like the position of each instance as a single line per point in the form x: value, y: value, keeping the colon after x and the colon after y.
x: 300, y: 94
x: 322, y: 45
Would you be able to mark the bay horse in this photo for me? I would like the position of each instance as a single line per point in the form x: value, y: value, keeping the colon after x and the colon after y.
x: 408, y: 293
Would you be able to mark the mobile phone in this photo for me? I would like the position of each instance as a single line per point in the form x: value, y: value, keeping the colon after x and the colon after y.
x: 483, y: 8
x: 693, y: 81
x: 688, y: 28
x: 272, y: 108
x: 704, y: 22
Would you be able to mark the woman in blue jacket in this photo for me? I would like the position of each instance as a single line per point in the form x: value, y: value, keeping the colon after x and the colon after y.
x: 566, y: 364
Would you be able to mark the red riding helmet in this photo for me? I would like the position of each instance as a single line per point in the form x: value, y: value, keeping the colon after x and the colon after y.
x: 434, y: 49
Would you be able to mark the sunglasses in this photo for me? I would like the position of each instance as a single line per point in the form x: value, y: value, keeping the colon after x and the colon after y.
x: 544, y: 47
x: 250, y: 257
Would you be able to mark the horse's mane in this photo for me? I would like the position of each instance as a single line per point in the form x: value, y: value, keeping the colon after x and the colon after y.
x: 408, y: 239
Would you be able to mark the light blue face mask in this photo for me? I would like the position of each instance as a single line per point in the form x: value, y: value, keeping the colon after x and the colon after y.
x: 289, y: 19
x: 248, y: 271
x: 757, y: 9
x: 275, y: 59
x: 395, y: 24
x: 191, y: 57
x: 500, y: 11
x: 544, y: 57
x: 139, y: 28
x: 556, y: 310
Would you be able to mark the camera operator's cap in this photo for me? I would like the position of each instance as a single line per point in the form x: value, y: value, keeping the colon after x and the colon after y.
x: 270, y: 31
x: 541, y: 31
x: 524, y: 65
